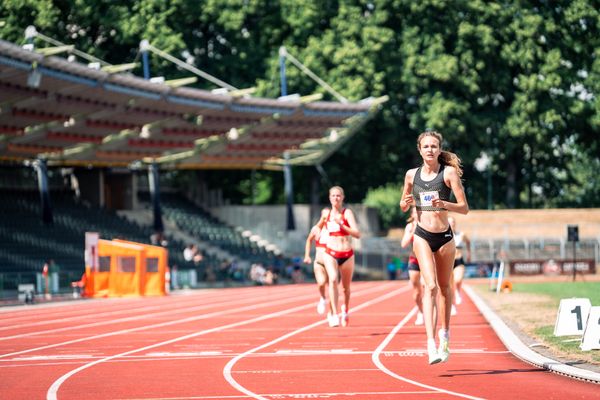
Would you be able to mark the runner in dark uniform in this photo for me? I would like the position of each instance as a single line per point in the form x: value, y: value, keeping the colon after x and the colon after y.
x: 428, y: 188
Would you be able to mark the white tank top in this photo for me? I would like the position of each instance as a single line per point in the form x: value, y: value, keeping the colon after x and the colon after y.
x: 459, y: 240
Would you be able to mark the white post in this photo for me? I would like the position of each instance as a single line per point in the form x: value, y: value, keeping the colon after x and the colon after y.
x: 500, y: 276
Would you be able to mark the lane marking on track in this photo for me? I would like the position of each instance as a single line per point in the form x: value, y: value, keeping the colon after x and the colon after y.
x: 262, y: 304
x: 52, y: 392
x: 85, y: 308
x: 322, y: 395
x: 227, y: 370
x: 179, y: 309
x: 166, y: 356
x: 376, y: 354
x: 186, y: 354
x: 296, y: 371
x: 55, y: 357
x: 330, y: 351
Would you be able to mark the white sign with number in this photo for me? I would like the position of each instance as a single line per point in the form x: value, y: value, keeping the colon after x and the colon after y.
x: 572, y: 317
x: 591, y: 335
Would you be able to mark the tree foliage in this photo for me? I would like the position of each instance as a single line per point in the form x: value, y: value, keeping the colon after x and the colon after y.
x: 516, y: 80
x: 386, y: 199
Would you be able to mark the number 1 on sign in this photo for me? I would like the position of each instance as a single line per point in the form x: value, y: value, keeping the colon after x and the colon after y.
x: 572, y: 316
x: 577, y: 312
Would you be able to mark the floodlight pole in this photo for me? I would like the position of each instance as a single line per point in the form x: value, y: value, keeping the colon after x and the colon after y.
x: 153, y: 181
x: 30, y: 34
x: 573, y: 236
x: 289, y: 192
x: 574, y: 261
x: 144, y: 47
x: 41, y: 168
x: 282, y: 55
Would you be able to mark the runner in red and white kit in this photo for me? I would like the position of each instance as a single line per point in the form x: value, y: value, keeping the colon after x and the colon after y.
x: 339, y: 255
x: 319, y: 236
x: 414, y: 272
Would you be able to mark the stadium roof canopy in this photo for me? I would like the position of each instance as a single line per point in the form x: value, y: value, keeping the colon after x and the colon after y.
x: 72, y: 114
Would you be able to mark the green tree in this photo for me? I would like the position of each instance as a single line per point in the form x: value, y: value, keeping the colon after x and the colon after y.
x: 386, y: 200
x: 517, y: 80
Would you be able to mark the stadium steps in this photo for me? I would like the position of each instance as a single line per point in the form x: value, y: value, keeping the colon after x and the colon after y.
x: 201, y: 225
x: 27, y: 242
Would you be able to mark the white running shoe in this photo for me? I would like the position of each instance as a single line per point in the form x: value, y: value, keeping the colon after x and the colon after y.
x: 321, y: 306
x: 344, y: 318
x: 333, y: 320
x: 434, y: 357
x: 453, y: 310
x: 444, y: 348
x: 419, y: 319
x: 457, y: 297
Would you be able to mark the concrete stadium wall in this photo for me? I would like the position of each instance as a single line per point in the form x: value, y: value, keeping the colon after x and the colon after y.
x: 269, y: 222
x: 529, y: 223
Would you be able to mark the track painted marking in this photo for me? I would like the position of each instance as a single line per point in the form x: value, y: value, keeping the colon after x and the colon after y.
x: 126, y: 319
x: 54, y: 357
x: 324, y: 395
x: 85, y: 309
x: 227, y: 370
x: 377, y: 353
x: 52, y: 392
x: 162, y: 324
x: 188, y: 354
x: 330, y: 351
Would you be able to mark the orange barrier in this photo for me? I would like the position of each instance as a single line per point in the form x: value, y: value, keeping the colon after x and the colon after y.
x: 127, y: 269
x: 155, y: 268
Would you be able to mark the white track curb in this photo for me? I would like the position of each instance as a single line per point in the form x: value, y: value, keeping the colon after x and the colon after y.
x: 519, y: 349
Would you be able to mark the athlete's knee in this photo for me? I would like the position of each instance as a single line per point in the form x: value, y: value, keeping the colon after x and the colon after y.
x: 321, y: 280
x: 416, y: 295
x: 430, y: 287
x: 446, y: 290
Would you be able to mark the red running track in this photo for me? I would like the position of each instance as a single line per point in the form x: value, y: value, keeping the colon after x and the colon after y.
x: 258, y: 343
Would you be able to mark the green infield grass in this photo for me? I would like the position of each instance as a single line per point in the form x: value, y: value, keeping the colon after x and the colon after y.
x: 533, y: 308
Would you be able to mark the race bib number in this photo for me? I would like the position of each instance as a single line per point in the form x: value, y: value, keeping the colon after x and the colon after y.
x: 333, y: 226
x: 428, y: 197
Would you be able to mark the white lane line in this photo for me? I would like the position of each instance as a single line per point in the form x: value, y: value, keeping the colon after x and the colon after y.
x: 117, y: 306
x: 227, y: 370
x: 182, y: 309
x: 162, y: 324
x: 166, y: 356
x: 53, y: 390
x: 89, y: 313
x: 322, y: 395
x: 376, y: 354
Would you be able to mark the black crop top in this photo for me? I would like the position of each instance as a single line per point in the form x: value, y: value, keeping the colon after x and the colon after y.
x: 424, y: 191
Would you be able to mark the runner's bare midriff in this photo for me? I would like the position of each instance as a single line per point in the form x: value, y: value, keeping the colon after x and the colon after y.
x: 433, y: 221
x: 339, y: 243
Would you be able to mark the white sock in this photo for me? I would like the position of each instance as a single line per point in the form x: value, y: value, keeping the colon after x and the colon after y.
x: 431, y: 343
x: 444, y: 334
